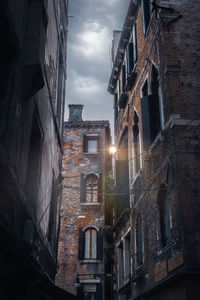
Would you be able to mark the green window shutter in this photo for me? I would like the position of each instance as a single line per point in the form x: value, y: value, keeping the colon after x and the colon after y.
x: 81, y: 244
x: 99, y: 245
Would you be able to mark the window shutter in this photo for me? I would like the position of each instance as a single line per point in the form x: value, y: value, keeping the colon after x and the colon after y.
x: 80, y: 292
x: 100, y: 188
x: 146, y: 128
x: 81, y: 244
x: 123, y: 78
x: 82, y: 189
x: 115, y: 106
x: 146, y: 14
x: 99, y: 291
x: 130, y: 60
x: 134, y: 44
x: 85, y: 143
x: 99, y: 246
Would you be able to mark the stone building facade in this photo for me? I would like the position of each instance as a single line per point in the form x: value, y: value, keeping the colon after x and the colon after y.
x: 155, y: 85
x: 32, y: 93
x: 82, y: 237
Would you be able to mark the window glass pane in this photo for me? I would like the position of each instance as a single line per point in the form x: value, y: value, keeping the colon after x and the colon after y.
x: 92, y: 146
x: 94, y: 244
x: 91, y: 189
x: 87, y: 244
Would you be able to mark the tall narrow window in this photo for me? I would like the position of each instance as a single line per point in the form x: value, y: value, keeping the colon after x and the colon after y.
x: 90, y: 244
x: 146, y: 14
x: 138, y: 240
x: 155, y: 105
x: 136, y: 143
x: 164, y: 214
x: 127, y: 250
x: 91, y: 188
x: 120, y: 265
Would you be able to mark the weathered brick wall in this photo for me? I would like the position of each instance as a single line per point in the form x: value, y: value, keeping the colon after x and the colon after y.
x: 74, y: 214
x: 173, y: 158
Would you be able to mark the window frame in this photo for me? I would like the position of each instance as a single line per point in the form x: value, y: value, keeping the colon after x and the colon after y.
x: 91, y: 137
x: 92, y: 243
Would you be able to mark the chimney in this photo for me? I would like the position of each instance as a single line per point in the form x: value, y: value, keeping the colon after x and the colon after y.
x: 75, y: 112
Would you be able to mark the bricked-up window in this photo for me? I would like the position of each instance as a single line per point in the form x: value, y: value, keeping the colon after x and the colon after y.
x: 91, y: 143
x: 164, y: 215
x: 139, y: 241
x: 146, y: 14
x: 91, y: 188
x: 136, y: 143
x: 90, y: 244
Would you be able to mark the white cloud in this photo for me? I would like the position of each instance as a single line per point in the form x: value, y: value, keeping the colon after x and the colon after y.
x: 92, y: 42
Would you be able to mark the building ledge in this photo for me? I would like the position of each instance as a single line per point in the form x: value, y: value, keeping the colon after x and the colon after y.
x: 89, y: 261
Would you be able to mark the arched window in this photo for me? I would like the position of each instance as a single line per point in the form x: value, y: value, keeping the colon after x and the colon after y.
x: 164, y: 214
x: 136, y: 143
x: 91, y: 184
x: 90, y: 244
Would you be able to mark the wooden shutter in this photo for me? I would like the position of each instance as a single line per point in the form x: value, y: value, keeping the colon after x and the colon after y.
x: 100, y: 188
x: 146, y: 14
x: 82, y: 189
x: 85, y: 143
x: 146, y: 126
x: 134, y: 44
x: 130, y: 60
x: 99, y: 245
x: 81, y: 244
x: 80, y: 293
x: 123, y: 78
x: 99, y: 291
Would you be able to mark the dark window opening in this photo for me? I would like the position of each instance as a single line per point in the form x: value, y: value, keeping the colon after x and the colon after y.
x: 155, y: 105
x: 127, y: 250
x: 145, y: 89
x: 138, y: 237
x: 116, y: 108
x: 136, y: 141
x: 146, y: 13
x: 163, y: 204
x: 33, y: 166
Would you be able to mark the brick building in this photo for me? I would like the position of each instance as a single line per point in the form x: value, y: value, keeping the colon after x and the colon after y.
x: 83, y: 233
x: 154, y: 81
x: 32, y: 92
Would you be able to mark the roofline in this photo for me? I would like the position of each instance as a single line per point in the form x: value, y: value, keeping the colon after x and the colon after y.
x: 125, y: 36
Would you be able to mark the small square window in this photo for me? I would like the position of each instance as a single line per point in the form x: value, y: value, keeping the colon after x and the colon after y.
x: 91, y: 143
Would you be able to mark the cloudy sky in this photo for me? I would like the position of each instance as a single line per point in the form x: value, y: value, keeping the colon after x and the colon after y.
x: 89, y: 61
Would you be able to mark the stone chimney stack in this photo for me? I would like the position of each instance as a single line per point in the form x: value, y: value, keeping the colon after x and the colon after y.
x: 75, y: 112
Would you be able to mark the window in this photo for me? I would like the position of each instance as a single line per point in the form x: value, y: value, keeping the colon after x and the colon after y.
x: 91, y: 188
x: 127, y: 254
x: 139, y: 241
x: 146, y: 14
x: 136, y: 143
x: 120, y: 265
x: 164, y: 215
x: 151, y: 110
x: 90, y: 244
x: 91, y: 143
x: 131, y: 52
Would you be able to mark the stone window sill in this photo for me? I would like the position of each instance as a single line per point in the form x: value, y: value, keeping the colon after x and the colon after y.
x: 90, y: 204
x: 89, y: 261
